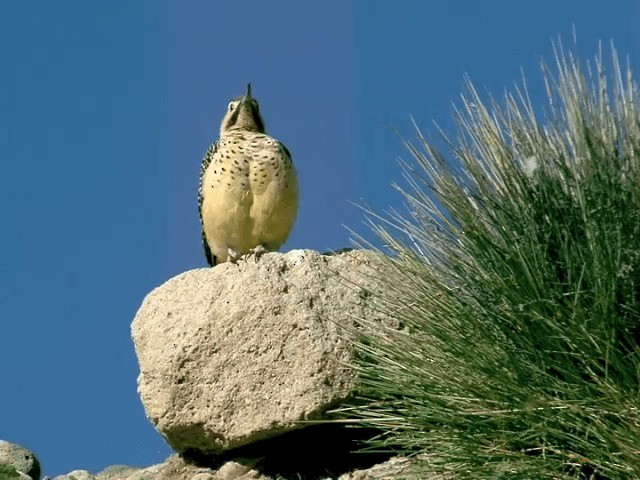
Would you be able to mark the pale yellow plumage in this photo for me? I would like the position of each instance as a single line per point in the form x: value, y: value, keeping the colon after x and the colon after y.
x: 248, y: 196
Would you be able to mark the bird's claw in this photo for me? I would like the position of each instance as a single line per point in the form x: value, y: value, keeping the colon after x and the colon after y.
x: 233, y: 255
x: 256, y: 252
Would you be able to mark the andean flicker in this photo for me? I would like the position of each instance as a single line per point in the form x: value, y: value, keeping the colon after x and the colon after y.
x: 248, y: 196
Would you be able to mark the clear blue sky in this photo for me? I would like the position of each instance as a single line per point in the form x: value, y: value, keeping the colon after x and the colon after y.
x: 106, y: 109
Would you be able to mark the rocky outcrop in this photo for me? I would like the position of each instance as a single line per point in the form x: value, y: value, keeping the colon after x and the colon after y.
x: 243, y: 352
x: 240, y: 365
x: 175, y: 468
x: 18, y: 462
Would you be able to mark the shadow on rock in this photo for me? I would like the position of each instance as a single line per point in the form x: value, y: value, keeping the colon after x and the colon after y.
x: 312, y: 453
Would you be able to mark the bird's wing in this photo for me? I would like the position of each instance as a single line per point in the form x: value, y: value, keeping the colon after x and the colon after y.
x: 286, y: 150
x: 208, y: 157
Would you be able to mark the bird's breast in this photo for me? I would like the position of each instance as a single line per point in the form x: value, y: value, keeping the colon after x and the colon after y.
x: 251, y: 183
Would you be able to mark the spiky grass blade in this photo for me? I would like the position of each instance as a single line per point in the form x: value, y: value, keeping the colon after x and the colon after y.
x: 515, y: 273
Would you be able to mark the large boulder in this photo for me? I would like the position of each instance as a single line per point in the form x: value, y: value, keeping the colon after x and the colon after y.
x: 20, y: 459
x: 242, y: 352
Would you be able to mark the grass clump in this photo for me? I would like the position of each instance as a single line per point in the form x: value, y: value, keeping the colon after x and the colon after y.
x: 516, y: 276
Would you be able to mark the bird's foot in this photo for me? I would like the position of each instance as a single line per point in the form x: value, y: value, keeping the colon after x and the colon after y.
x: 233, y: 256
x: 256, y: 252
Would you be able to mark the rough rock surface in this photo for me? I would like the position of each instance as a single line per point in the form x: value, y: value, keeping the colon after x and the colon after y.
x: 21, y: 459
x: 241, y: 352
x: 175, y: 468
x: 76, y: 475
x: 394, y: 468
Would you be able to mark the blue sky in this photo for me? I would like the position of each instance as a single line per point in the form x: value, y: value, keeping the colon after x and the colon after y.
x: 105, y: 112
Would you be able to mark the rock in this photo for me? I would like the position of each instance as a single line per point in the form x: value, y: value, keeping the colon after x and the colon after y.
x: 176, y: 468
x: 76, y: 475
x: 115, y: 472
x: 20, y: 458
x: 118, y: 472
x: 233, y: 470
x: 242, y: 352
x: 8, y: 472
x: 150, y: 473
x: 392, y: 469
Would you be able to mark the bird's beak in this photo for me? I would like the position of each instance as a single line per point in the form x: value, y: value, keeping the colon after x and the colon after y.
x: 246, y: 98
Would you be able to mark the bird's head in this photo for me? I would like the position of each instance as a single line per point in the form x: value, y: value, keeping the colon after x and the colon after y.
x: 243, y: 113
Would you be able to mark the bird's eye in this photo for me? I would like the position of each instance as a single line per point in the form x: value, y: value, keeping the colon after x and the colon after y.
x: 231, y: 106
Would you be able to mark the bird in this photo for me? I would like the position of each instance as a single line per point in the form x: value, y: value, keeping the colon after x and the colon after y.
x: 248, y: 192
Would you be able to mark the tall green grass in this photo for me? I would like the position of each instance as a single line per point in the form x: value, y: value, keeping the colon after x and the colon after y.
x: 515, y: 273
